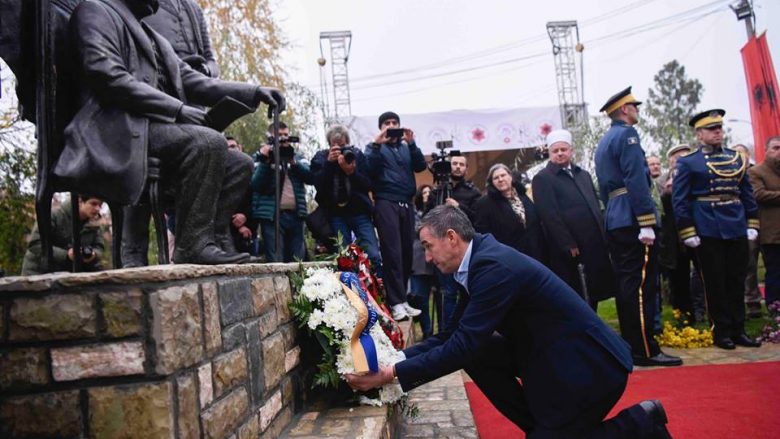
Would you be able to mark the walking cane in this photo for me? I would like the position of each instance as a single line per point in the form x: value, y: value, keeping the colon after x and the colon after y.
x: 583, y: 282
x: 277, y: 184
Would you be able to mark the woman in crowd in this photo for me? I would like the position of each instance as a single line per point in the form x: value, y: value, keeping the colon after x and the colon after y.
x: 509, y: 214
x: 423, y: 278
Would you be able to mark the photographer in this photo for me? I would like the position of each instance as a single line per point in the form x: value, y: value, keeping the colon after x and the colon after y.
x: 62, y: 239
x: 393, y: 158
x: 462, y: 194
x: 451, y: 189
x: 294, y: 173
x: 342, y: 191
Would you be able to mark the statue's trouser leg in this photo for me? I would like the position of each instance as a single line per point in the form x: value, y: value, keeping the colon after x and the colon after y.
x: 193, y: 160
x: 238, y: 171
x: 135, y: 235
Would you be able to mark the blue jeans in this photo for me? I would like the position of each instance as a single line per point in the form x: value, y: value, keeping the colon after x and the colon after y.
x: 420, y: 293
x: 449, y: 290
x: 291, y: 232
x: 363, y: 228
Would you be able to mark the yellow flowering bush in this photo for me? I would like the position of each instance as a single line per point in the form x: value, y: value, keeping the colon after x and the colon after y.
x: 682, y: 335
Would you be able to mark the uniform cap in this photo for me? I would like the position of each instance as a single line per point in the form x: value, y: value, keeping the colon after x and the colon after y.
x: 618, y: 100
x: 706, y: 119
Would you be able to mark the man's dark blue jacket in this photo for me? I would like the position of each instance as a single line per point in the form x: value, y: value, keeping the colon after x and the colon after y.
x: 391, y: 169
x: 561, y: 347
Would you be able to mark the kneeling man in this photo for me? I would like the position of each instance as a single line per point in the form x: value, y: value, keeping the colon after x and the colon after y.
x: 516, y: 319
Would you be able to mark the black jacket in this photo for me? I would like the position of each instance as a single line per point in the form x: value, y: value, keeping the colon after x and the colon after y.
x: 332, y: 183
x: 571, y: 217
x: 464, y: 193
x: 493, y: 214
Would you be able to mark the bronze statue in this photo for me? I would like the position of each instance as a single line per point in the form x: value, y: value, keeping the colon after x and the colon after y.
x: 139, y: 98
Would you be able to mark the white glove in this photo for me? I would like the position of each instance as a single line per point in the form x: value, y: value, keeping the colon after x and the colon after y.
x: 752, y: 234
x: 646, y: 235
x: 692, y: 242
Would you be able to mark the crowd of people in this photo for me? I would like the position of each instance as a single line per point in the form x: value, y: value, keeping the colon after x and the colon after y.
x: 696, y: 223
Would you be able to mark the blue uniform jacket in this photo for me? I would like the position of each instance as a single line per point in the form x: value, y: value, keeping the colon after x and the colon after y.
x: 624, y: 179
x: 560, y: 345
x: 712, y: 195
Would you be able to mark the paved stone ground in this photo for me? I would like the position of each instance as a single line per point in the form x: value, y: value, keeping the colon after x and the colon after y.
x: 445, y: 411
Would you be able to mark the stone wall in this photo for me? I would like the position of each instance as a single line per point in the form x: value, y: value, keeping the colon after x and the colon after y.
x: 179, y: 351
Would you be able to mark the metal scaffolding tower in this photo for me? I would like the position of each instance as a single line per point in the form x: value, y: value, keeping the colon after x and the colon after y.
x: 340, y: 43
x: 565, y: 38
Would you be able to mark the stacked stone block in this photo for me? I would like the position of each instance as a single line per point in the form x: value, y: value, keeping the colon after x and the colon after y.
x: 157, y: 352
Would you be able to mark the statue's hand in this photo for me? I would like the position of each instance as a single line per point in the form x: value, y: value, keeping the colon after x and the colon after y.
x: 198, y: 63
x: 272, y: 97
x: 192, y: 115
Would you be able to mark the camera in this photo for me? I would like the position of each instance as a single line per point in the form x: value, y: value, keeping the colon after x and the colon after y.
x: 394, y: 133
x: 286, y: 150
x: 541, y: 153
x: 349, y: 153
x: 87, y: 252
x: 442, y: 169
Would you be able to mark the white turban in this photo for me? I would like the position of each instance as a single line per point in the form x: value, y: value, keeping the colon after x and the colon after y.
x: 559, y: 136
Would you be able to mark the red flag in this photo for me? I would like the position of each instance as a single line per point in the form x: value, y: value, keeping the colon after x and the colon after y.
x: 762, y: 91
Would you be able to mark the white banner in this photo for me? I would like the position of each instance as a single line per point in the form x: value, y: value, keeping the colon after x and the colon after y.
x: 479, y: 130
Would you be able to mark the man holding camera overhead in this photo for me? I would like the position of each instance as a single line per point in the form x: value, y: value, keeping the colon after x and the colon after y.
x: 294, y: 174
x: 393, y: 158
x: 342, y: 184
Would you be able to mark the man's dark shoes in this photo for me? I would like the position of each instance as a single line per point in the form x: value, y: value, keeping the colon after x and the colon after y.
x: 725, y: 343
x: 744, y: 340
x: 659, y: 360
x: 655, y: 411
x: 213, y: 255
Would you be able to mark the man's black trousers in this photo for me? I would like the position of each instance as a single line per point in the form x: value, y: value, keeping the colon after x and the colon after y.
x: 636, y: 267
x: 723, y: 267
x: 394, y: 223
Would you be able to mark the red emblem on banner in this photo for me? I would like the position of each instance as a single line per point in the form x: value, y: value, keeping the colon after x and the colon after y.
x: 478, y: 134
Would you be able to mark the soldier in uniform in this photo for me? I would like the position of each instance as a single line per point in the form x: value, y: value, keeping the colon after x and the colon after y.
x: 716, y: 215
x: 630, y: 220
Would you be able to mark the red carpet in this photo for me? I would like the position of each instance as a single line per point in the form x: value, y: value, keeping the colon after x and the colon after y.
x: 719, y: 401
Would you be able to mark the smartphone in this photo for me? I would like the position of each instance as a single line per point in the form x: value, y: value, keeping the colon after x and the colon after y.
x: 395, y: 133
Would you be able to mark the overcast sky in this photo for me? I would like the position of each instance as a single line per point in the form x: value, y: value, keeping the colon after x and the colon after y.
x: 464, y: 54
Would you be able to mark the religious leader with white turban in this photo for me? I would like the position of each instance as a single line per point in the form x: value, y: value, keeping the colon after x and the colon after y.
x: 568, y: 206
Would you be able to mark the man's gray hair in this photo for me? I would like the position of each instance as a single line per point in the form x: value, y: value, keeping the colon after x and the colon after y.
x: 445, y: 217
x: 336, y: 133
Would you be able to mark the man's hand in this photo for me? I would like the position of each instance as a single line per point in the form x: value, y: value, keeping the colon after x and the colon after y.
x: 245, y: 232
x: 265, y: 150
x: 382, y: 138
x: 370, y: 380
x: 574, y: 252
x: 238, y: 219
x: 408, y: 136
x: 451, y: 202
x: 334, y: 153
x: 692, y: 242
x: 752, y: 234
x: 348, y: 168
x: 192, y: 115
x: 272, y: 97
x: 646, y: 235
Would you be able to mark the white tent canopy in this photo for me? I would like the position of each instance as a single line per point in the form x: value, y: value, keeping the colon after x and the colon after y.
x: 470, y: 130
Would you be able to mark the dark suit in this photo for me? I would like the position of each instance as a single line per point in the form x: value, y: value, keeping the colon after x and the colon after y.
x: 571, y: 217
x: 130, y: 102
x: 520, y: 320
